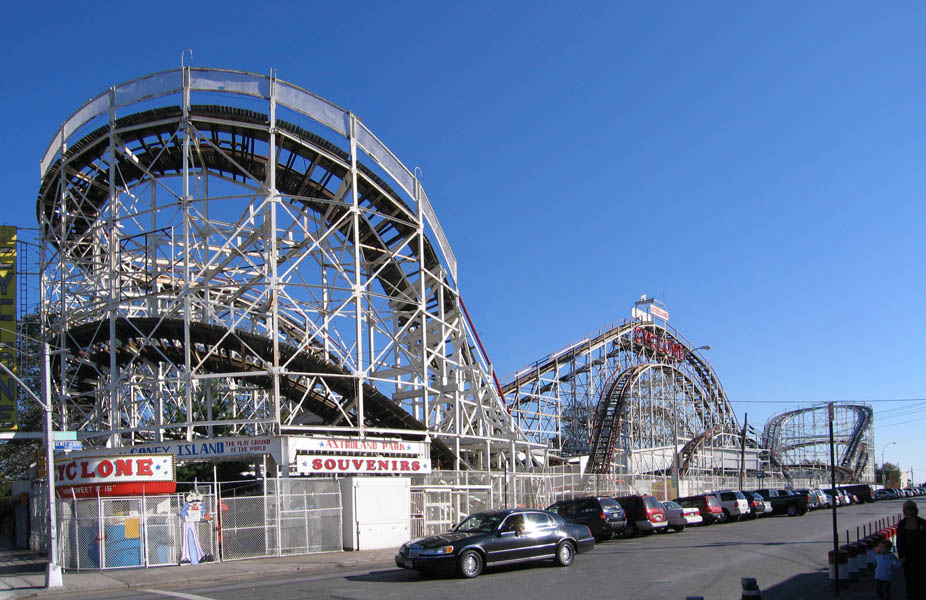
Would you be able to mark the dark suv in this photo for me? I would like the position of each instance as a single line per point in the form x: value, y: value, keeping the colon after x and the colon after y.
x: 603, y: 515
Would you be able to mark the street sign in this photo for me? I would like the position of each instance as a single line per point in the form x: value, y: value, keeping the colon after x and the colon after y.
x: 68, y: 445
x: 65, y: 435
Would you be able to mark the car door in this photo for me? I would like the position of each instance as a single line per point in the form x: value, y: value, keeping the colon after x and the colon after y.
x: 512, y: 540
x: 542, y: 533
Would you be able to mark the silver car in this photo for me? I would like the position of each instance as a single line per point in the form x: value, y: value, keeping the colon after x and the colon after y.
x: 680, y: 517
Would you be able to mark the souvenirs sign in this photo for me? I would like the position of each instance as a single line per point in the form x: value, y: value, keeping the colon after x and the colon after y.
x: 359, y: 456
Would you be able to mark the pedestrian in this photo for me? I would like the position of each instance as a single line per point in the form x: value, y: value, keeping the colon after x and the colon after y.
x: 885, y: 565
x: 911, y: 547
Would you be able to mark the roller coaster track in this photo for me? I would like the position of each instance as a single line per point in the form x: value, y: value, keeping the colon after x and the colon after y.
x: 250, y: 356
x: 796, y: 444
x: 213, y: 242
x: 619, y: 357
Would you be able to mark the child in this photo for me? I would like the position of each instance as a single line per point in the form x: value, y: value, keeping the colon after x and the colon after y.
x: 885, y: 563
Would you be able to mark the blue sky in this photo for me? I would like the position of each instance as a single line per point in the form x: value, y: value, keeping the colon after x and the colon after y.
x: 757, y: 167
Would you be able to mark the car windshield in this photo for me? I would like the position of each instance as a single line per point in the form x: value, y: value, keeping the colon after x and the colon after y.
x: 651, y: 502
x: 609, y: 503
x: 671, y: 505
x: 482, y: 523
x: 712, y: 501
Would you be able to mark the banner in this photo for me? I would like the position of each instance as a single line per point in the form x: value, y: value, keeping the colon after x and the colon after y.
x: 118, y: 475
x: 8, y: 391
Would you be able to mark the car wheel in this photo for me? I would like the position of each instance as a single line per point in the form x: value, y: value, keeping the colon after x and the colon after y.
x: 802, y: 511
x: 792, y: 510
x: 604, y: 537
x: 679, y: 528
x: 470, y: 564
x: 630, y: 530
x: 727, y: 518
x: 565, y: 554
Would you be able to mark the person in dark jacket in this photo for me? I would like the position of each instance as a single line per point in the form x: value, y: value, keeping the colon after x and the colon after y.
x: 911, y: 548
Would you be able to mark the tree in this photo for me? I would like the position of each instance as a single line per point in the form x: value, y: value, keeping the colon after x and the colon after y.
x: 888, y: 474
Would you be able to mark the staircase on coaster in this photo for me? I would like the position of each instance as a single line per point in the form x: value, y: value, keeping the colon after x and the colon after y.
x: 608, y: 419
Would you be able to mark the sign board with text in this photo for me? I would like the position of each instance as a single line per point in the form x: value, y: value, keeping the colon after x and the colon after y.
x: 8, y: 386
x: 115, y: 475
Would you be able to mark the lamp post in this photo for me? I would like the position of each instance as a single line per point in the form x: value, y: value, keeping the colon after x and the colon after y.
x: 883, y: 472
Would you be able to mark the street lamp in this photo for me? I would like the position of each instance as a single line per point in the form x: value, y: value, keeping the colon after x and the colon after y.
x: 883, y: 473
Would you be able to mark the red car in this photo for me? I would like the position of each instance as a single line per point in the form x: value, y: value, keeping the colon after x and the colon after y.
x: 708, y: 504
x: 645, y: 514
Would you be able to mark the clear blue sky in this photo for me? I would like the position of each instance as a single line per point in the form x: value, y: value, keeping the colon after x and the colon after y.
x: 758, y: 167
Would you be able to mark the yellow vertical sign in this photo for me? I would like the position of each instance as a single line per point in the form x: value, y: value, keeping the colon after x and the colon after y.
x: 8, y: 391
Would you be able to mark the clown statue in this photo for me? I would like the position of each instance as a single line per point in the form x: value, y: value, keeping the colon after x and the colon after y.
x: 192, y: 513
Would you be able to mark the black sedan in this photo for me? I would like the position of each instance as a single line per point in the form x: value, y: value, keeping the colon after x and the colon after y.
x: 499, y: 537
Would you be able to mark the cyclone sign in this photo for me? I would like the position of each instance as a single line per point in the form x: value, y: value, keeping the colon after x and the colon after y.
x: 660, y: 344
x: 125, y: 475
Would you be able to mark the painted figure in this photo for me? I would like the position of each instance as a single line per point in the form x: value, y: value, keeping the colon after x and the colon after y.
x: 192, y: 513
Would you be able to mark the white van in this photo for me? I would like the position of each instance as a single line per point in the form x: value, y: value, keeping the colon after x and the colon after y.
x: 735, y: 506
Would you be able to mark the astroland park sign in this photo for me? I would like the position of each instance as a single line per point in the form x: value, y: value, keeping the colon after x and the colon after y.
x: 115, y: 475
x: 356, y: 456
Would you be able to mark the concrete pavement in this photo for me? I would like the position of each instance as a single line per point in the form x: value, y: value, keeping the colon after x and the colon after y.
x: 22, y: 575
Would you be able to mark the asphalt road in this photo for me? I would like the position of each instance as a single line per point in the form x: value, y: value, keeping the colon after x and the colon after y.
x: 787, y: 555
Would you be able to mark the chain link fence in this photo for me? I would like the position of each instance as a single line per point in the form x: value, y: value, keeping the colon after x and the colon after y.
x: 441, y: 499
x: 257, y: 519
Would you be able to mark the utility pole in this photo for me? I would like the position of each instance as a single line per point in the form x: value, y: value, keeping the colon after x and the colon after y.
x: 835, y: 526
x: 743, y: 450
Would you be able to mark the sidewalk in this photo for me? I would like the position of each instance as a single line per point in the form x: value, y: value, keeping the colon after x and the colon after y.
x: 22, y: 573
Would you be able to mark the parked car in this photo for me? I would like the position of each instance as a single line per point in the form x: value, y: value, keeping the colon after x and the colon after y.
x: 840, y: 496
x: 783, y: 502
x: 813, y: 502
x: 734, y: 504
x: 603, y: 515
x: 883, y: 495
x: 680, y: 517
x: 821, y: 497
x: 758, y: 506
x: 644, y: 514
x: 707, y: 504
x: 864, y: 491
x: 497, y: 537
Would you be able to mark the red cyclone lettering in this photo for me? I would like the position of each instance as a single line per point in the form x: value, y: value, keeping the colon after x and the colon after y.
x: 144, y: 466
x: 71, y: 470
x: 105, y: 468
x: 123, y: 467
x: 84, y: 472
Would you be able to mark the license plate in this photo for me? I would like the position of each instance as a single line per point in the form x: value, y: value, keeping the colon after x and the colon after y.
x: 409, y: 563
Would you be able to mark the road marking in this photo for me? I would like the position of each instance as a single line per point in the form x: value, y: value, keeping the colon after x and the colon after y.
x: 176, y: 594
